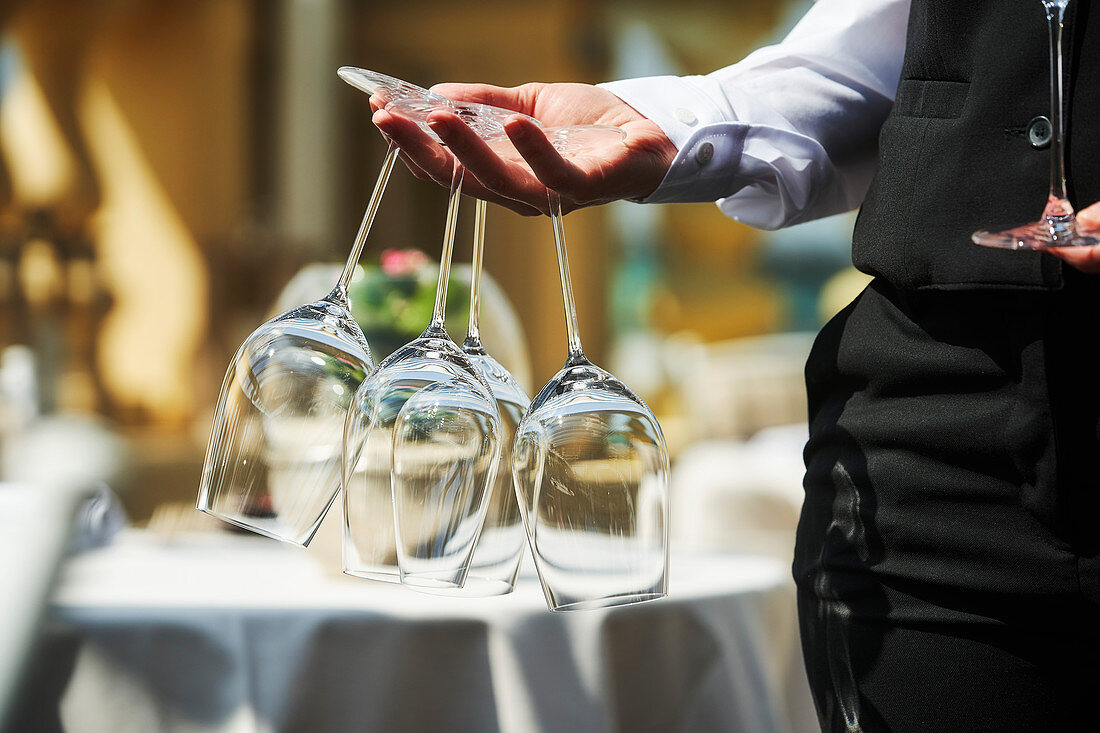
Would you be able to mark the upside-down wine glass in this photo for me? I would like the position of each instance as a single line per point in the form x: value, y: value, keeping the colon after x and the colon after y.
x: 372, y: 479
x: 421, y: 446
x: 273, y: 463
x: 420, y: 463
x: 590, y: 463
x: 497, y: 556
x: 1058, y: 226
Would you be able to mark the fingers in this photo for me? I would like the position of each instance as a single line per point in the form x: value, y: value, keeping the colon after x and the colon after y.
x: 520, y: 99
x: 429, y: 161
x: 416, y: 170
x: 1085, y: 259
x: 424, y: 157
x: 517, y: 179
x: 379, y: 100
x: 551, y: 169
x: 474, y: 187
x: 506, y: 179
x: 1090, y: 216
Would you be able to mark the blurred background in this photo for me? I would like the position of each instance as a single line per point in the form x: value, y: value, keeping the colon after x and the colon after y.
x: 166, y: 169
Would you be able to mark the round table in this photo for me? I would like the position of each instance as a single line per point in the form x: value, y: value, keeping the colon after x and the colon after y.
x: 216, y: 633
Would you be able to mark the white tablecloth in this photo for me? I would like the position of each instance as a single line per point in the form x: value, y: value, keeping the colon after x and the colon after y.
x: 235, y: 635
x: 35, y: 531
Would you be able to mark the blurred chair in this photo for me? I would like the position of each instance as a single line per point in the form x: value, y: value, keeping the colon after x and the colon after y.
x: 501, y: 330
x: 742, y: 496
x: 737, y: 485
x: 38, y: 525
x: 735, y: 388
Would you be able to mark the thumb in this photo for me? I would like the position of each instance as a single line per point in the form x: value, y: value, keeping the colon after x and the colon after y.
x: 1090, y: 215
x: 513, y: 98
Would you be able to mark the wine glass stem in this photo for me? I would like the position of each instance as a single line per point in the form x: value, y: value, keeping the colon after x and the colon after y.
x: 571, y: 329
x: 1059, y: 212
x: 438, y: 313
x: 473, y: 330
x: 368, y: 219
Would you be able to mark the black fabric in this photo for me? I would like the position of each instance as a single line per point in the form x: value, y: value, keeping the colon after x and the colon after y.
x: 948, y: 552
x: 954, y: 153
x: 947, y: 556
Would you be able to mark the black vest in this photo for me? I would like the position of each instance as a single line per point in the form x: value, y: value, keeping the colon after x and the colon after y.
x: 954, y: 154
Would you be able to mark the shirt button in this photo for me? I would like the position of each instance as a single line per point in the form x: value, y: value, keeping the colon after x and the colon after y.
x: 686, y: 116
x: 1039, y: 132
x: 704, y: 153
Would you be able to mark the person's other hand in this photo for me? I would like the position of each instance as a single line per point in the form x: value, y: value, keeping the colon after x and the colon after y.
x: 631, y: 169
x: 1085, y: 259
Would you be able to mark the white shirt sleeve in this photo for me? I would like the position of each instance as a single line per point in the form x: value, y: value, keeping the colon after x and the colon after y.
x: 790, y: 133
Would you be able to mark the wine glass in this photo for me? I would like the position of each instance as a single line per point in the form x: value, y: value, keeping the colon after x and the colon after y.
x: 391, y: 532
x: 389, y: 88
x: 273, y: 463
x: 590, y: 463
x: 412, y: 486
x: 1058, y: 226
x: 499, y: 549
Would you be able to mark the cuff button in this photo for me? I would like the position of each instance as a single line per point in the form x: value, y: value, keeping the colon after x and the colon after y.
x: 704, y: 153
x: 686, y: 116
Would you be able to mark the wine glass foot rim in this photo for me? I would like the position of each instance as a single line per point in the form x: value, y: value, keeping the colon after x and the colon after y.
x: 608, y: 602
x: 474, y: 587
x: 439, y: 580
x: 375, y: 575
x: 252, y: 528
x: 1003, y: 241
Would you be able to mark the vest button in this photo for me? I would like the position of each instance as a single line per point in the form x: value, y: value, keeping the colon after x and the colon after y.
x: 1039, y: 132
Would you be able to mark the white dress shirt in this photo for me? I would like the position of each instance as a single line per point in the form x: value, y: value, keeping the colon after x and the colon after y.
x: 790, y: 133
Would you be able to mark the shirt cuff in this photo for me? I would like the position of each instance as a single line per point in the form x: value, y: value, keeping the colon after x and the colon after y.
x: 708, y: 138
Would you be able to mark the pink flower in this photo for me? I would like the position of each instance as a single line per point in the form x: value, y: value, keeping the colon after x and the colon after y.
x: 396, y: 262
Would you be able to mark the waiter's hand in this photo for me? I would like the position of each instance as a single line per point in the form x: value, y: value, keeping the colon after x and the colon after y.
x: 1085, y: 259
x: 631, y: 169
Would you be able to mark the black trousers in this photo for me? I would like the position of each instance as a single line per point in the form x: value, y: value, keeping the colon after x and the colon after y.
x: 948, y: 553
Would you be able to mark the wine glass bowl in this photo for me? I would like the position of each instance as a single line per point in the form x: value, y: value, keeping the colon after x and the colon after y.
x: 276, y: 443
x: 379, y: 413
x: 499, y: 550
x: 496, y: 560
x: 446, y: 450
x: 590, y: 463
x: 591, y: 467
x: 273, y: 463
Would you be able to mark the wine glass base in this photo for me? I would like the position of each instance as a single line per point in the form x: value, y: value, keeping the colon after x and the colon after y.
x: 438, y: 580
x: 607, y: 602
x: 268, y: 528
x: 376, y: 575
x: 1036, y: 236
x: 473, y: 588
